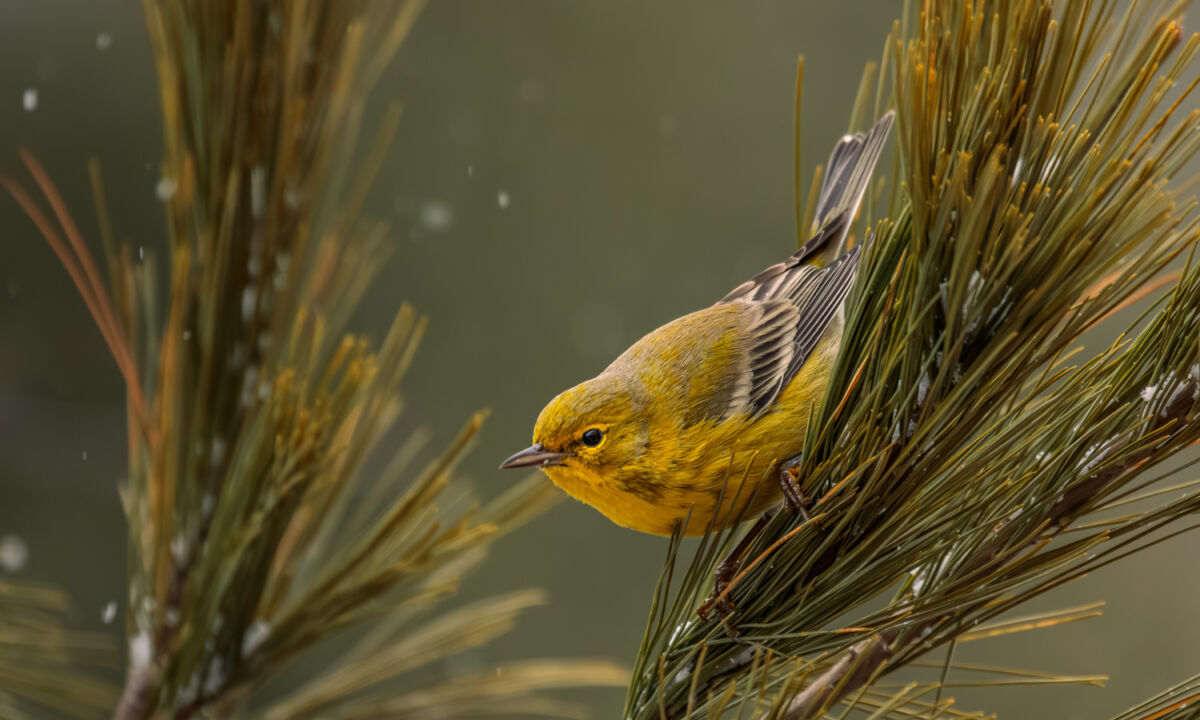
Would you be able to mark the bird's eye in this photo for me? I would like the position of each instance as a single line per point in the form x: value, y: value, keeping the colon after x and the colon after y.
x: 592, y: 437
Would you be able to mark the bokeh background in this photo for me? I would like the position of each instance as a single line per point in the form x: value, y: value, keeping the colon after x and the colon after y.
x: 567, y: 176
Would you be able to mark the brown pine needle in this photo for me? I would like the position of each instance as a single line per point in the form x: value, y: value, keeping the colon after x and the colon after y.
x: 97, y: 304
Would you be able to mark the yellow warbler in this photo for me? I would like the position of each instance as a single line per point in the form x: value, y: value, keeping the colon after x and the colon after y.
x: 718, y: 395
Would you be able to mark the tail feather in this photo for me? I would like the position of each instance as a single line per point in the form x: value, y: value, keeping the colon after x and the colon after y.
x: 847, y: 176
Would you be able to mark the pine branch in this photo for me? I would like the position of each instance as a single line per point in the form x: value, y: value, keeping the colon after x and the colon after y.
x: 864, y: 661
x: 857, y: 667
x: 959, y: 462
x: 255, y: 532
x: 44, y: 666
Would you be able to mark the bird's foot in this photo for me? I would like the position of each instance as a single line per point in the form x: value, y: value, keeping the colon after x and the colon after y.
x: 718, y: 600
x: 788, y: 480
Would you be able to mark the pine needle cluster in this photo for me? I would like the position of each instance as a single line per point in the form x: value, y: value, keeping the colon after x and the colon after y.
x: 258, y: 529
x: 37, y: 653
x: 968, y: 457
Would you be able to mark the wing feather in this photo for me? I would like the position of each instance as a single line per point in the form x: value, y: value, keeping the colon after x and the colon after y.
x: 789, y: 306
x: 847, y: 175
x: 787, y: 317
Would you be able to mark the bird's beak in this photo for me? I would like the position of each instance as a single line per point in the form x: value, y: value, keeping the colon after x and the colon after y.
x: 533, y: 456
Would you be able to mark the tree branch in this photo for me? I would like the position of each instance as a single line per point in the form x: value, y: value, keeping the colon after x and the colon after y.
x: 865, y: 660
x: 857, y: 666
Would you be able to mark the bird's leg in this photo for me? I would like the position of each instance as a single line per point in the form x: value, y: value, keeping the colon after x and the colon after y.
x: 727, y: 569
x: 795, y: 499
x: 725, y: 572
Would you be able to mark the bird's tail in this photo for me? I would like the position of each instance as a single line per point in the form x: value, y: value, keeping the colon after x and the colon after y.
x: 847, y: 176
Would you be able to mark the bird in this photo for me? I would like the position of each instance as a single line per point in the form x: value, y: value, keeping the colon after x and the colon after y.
x: 700, y: 422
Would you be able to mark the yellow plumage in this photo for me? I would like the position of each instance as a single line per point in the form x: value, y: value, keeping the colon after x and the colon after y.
x: 722, y: 393
x: 679, y: 467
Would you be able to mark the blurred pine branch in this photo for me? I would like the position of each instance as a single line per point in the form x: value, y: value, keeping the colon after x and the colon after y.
x: 43, y: 666
x: 255, y: 531
x: 963, y: 464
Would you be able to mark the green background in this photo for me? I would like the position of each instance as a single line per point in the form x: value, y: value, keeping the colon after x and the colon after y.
x: 645, y: 149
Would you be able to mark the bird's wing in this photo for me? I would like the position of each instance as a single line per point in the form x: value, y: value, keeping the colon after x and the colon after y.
x: 788, y: 307
x: 847, y: 175
x: 791, y: 278
x: 741, y: 349
x: 781, y: 339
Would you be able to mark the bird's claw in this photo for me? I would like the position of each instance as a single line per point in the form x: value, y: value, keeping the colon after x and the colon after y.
x: 723, y: 577
x: 720, y: 603
x: 718, y: 600
x: 796, y: 502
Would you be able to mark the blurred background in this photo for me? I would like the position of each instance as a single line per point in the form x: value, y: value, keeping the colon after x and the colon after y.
x: 567, y: 177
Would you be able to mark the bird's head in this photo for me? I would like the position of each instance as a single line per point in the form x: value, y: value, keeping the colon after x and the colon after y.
x: 587, y: 435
